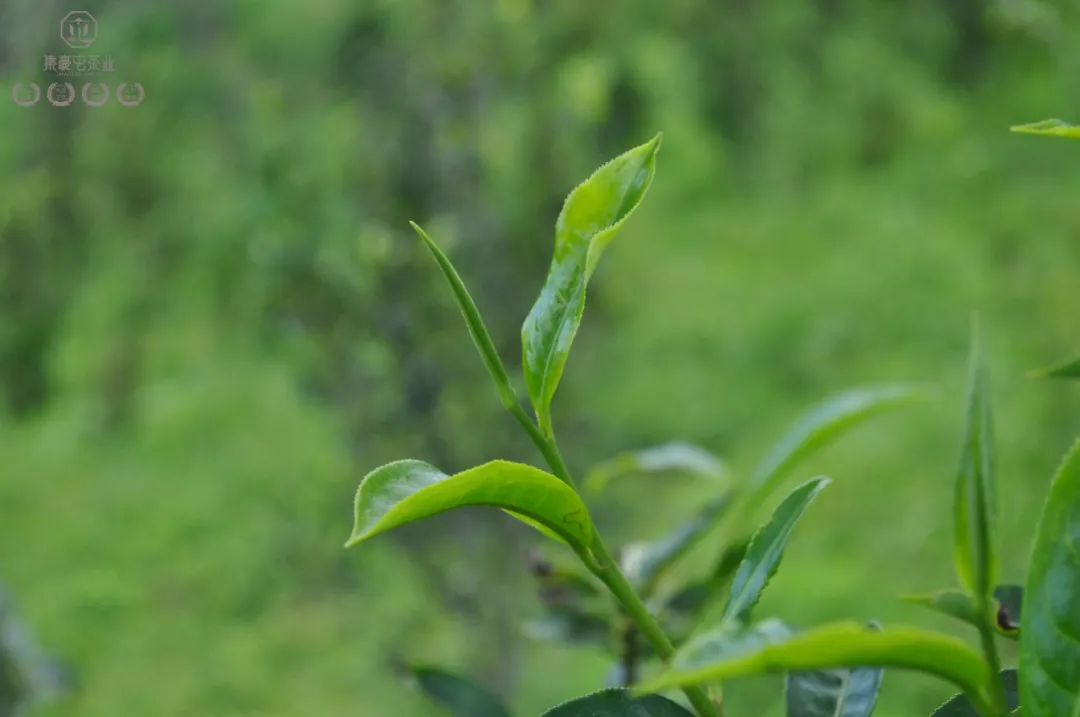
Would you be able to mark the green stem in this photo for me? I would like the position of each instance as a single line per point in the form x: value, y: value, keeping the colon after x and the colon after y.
x: 998, y: 703
x: 607, y: 570
x: 617, y: 583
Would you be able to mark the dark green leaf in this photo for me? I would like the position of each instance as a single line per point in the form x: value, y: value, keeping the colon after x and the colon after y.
x: 1068, y: 369
x: 669, y: 457
x: 590, y: 218
x: 960, y: 705
x: 644, y: 562
x: 766, y: 549
x: 1050, y: 628
x: 475, y: 323
x: 975, y: 502
x: 1051, y: 127
x: 619, y: 703
x: 407, y: 491
x: 823, y: 423
x: 839, y: 692
x: 729, y: 653
x: 456, y: 695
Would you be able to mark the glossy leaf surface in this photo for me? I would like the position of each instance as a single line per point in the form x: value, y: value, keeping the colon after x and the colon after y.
x: 1050, y: 626
x: 409, y: 490
x: 456, y: 695
x: 823, y: 423
x: 960, y: 705
x: 839, y: 692
x: 766, y: 549
x: 590, y: 218
x: 619, y: 703
x: 726, y: 653
x: 666, y: 458
x: 1050, y: 127
x: 473, y: 321
x: 975, y: 507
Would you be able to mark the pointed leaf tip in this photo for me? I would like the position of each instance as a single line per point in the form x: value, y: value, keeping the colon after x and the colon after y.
x: 590, y: 218
x: 473, y: 321
x: 766, y: 550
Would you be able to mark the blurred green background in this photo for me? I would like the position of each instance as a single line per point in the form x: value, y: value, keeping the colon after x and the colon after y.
x: 214, y: 318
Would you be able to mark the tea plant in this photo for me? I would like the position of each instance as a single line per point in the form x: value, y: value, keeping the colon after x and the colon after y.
x: 834, y: 669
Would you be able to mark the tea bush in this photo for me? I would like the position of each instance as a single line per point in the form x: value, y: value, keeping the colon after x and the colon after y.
x: 833, y: 669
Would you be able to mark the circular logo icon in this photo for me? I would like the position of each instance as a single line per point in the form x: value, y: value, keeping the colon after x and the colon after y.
x: 78, y: 29
x: 25, y: 95
x: 61, y: 95
x: 95, y: 94
x: 130, y: 94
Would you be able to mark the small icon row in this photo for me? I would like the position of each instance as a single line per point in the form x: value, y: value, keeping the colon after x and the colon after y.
x: 62, y: 94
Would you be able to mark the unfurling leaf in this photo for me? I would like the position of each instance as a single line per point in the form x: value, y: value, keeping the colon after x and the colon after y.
x: 669, y: 457
x: 727, y: 653
x: 1051, y: 127
x: 960, y: 705
x: 838, y: 692
x: 766, y: 549
x: 474, y: 322
x: 1050, y: 625
x: 825, y: 422
x: 975, y: 502
x: 406, y: 491
x: 619, y: 703
x: 456, y: 695
x: 590, y: 218
x: 1067, y: 370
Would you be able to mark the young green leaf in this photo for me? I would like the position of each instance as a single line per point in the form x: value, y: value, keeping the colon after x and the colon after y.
x: 1067, y: 370
x: 1051, y: 127
x: 949, y: 602
x: 975, y: 503
x: 728, y: 653
x: 406, y: 491
x: 960, y: 705
x: 474, y: 322
x: 590, y: 218
x: 644, y: 562
x: 963, y: 607
x: 822, y: 424
x: 1050, y: 626
x: 669, y: 457
x: 766, y: 549
x: 456, y: 695
x: 619, y: 703
x: 838, y: 692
